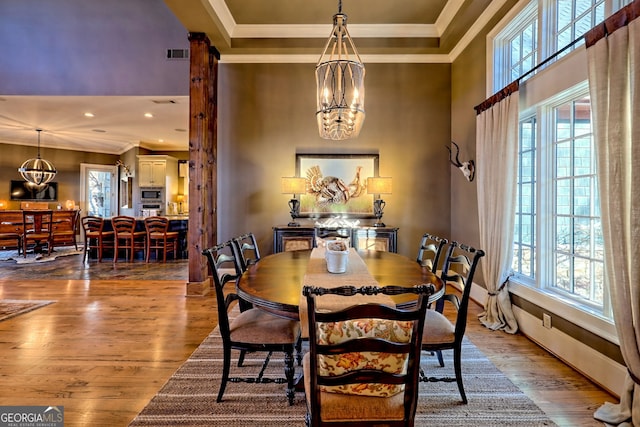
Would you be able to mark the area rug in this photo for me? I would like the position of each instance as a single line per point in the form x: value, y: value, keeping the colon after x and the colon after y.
x: 31, y: 258
x: 12, y: 307
x: 189, y: 397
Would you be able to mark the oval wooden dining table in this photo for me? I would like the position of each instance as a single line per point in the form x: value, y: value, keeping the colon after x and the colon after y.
x: 275, y: 282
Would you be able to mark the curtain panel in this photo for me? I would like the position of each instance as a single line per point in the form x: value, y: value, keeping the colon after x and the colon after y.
x: 613, y: 54
x: 496, y: 172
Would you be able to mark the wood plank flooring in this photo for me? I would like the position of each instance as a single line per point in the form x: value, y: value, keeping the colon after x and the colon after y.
x: 107, y: 346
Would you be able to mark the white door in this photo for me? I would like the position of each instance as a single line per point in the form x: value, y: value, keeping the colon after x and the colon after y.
x: 98, y: 190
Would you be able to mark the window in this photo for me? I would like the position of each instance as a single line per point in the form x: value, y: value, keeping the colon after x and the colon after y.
x: 558, y: 245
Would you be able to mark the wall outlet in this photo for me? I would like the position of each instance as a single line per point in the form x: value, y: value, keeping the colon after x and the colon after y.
x: 546, y: 320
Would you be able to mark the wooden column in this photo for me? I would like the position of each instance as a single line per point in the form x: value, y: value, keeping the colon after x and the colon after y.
x: 202, y: 160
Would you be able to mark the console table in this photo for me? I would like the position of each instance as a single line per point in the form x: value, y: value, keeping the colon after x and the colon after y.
x: 287, y: 238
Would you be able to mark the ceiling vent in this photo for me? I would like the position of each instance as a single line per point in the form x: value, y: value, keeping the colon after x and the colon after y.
x: 164, y: 101
x: 177, y: 53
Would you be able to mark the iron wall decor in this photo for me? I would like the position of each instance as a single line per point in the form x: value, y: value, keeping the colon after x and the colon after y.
x: 336, y: 184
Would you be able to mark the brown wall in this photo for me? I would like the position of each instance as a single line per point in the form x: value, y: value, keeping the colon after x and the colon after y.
x: 67, y: 163
x: 267, y: 115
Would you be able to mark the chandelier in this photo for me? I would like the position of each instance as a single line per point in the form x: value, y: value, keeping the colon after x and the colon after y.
x: 37, y: 171
x: 340, y: 84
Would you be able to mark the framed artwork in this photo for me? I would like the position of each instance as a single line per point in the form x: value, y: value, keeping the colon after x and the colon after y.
x: 336, y: 184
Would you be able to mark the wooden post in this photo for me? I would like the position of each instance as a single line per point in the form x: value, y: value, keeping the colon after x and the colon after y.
x: 202, y: 160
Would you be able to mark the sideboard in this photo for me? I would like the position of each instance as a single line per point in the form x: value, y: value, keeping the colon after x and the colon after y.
x: 287, y: 238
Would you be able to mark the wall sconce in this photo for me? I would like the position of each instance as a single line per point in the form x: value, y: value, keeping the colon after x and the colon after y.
x: 377, y: 186
x: 180, y: 199
x: 294, y: 185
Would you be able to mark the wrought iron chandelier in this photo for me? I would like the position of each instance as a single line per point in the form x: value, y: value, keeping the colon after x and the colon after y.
x: 340, y: 84
x: 38, y: 171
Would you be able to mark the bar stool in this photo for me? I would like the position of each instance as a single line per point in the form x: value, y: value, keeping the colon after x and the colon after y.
x: 159, y: 238
x: 95, y: 237
x: 127, y: 238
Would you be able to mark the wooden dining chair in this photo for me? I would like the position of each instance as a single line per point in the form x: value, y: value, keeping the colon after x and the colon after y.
x: 95, y: 236
x: 126, y: 237
x: 253, y: 330
x: 247, y: 249
x: 159, y: 238
x: 430, y: 251
x: 441, y: 334
x: 362, y: 368
x: 37, y: 230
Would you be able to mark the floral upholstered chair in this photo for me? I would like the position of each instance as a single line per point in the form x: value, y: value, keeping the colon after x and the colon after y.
x: 363, y: 363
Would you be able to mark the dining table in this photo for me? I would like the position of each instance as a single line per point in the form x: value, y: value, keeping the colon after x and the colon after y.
x: 275, y: 282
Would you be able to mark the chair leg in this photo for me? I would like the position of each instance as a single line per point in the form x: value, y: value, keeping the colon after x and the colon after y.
x: 241, y: 358
x: 226, y: 366
x: 458, y: 370
x: 289, y: 372
x: 440, y: 359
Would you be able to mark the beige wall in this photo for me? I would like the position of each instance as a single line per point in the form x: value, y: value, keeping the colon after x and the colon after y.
x: 267, y: 115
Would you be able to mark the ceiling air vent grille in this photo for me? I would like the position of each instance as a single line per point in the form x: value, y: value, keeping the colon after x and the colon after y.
x: 177, y: 53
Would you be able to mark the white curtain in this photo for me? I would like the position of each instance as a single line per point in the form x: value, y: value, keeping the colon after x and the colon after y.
x: 613, y: 78
x: 496, y: 172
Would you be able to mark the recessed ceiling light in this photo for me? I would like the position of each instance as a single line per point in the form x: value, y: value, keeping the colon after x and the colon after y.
x: 148, y: 115
x: 161, y: 140
x: 87, y: 114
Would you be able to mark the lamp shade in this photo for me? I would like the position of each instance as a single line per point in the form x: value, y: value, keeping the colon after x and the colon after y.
x: 294, y: 185
x: 379, y: 185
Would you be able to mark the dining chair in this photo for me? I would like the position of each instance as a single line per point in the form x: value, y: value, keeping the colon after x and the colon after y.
x: 430, y: 251
x: 247, y: 249
x: 126, y: 237
x: 159, y: 238
x: 11, y: 231
x: 362, y: 368
x: 95, y: 236
x: 37, y: 230
x: 440, y: 333
x: 253, y: 330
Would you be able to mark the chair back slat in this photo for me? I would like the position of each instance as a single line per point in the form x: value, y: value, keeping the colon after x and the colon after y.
x: 247, y: 250
x: 430, y: 251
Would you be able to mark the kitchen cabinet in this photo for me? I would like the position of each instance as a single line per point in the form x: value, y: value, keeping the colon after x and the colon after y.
x: 152, y: 173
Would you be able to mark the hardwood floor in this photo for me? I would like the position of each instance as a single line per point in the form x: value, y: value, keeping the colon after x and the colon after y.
x: 107, y: 346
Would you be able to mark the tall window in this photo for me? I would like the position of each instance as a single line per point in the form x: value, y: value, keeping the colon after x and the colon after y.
x: 558, y: 245
x: 524, y: 251
x: 578, y: 256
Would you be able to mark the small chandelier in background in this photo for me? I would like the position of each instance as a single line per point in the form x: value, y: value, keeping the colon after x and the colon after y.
x: 37, y: 171
x: 340, y: 84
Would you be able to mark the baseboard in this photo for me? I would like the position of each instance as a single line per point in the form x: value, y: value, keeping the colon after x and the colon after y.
x: 600, y: 369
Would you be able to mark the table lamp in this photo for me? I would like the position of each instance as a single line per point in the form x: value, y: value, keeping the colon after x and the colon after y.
x: 377, y: 186
x: 180, y: 199
x: 294, y: 185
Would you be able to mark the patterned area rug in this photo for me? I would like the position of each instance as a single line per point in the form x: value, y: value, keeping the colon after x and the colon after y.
x: 189, y: 397
x: 37, y: 258
x: 11, y: 308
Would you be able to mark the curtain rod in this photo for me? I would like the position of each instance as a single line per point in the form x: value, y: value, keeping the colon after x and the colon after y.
x: 514, y: 85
